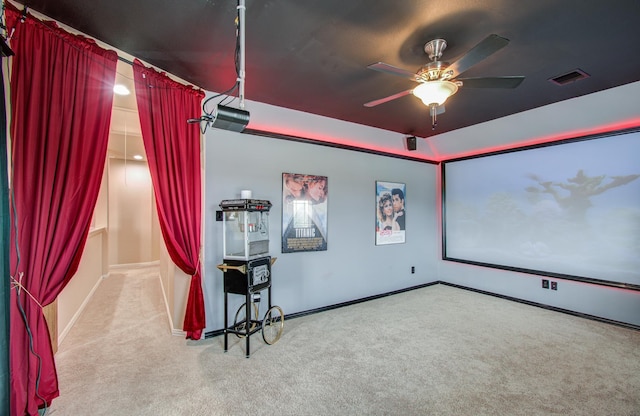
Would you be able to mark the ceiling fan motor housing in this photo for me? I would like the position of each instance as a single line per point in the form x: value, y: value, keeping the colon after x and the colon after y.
x: 434, y: 48
x: 433, y: 71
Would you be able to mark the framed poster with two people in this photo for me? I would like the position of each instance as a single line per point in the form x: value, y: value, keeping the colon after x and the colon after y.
x: 390, y: 213
x: 304, y: 212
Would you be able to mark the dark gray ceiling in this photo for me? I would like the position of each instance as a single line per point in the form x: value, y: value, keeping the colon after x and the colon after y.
x: 311, y: 55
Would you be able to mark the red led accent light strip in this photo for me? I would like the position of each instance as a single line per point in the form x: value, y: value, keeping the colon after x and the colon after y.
x: 305, y: 136
x: 571, y: 134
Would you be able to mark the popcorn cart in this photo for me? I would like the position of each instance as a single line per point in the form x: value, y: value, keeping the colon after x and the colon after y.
x: 247, y: 270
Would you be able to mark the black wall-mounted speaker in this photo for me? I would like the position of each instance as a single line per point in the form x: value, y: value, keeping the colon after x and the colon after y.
x: 411, y: 143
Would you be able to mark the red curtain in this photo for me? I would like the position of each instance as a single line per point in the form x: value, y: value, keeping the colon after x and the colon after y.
x: 61, y: 98
x: 173, y: 153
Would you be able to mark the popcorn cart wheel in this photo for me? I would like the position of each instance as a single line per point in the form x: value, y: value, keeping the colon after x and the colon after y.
x: 240, y: 321
x: 272, y: 323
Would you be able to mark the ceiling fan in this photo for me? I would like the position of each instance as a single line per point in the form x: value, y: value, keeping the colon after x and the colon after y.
x: 439, y: 80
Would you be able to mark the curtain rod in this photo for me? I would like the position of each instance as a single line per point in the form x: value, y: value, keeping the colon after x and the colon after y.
x: 125, y: 60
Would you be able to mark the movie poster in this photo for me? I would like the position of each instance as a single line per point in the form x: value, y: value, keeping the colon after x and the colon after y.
x: 390, y: 213
x: 304, y: 212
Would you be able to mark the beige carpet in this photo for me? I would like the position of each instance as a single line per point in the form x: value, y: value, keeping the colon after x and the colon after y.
x: 432, y: 351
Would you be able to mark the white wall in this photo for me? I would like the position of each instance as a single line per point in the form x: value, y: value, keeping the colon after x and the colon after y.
x: 133, y: 224
x: 353, y: 267
x: 77, y: 293
x: 175, y: 289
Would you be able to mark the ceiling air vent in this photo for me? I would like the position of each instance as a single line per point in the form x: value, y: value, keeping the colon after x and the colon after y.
x: 569, y: 77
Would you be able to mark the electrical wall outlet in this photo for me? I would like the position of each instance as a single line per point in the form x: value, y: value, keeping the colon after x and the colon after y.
x: 545, y: 284
x: 554, y: 285
x: 413, y: 269
x: 218, y: 215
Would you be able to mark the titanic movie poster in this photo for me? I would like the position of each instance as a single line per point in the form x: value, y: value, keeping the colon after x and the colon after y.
x: 390, y: 212
x: 304, y: 212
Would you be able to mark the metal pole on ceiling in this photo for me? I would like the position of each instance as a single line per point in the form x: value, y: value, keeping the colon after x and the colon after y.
x: 241, y: 40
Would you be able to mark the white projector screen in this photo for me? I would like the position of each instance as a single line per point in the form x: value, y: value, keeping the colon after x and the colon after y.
x: 569, y: 209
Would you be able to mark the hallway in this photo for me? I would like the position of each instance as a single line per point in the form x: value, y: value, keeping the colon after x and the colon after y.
x: 126, y: 317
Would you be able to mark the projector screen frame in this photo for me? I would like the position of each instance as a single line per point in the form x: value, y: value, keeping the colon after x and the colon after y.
x: 517, y: 269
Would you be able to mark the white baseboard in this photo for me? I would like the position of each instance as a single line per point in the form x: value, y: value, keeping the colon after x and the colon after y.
x: 178, y: 333
x: 74, y: 318
x: 134, y: 265
x: 175, y: 332
x: 166, y: 305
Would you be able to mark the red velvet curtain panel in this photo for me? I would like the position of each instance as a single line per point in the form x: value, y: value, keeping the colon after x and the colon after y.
x: 61, y: 98
x: 173, y: 153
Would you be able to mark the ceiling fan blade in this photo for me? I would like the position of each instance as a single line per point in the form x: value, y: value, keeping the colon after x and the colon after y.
x: 393, y: 70
x: 491, y: 82
x: 386, y: 99
x: 490, y: 45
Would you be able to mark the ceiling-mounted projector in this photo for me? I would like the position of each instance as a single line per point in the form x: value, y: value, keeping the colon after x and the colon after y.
x: 229, y: 118
x: 226, y: 118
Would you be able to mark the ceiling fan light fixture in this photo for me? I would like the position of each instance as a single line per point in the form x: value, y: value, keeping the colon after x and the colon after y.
x: 435, y: 92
